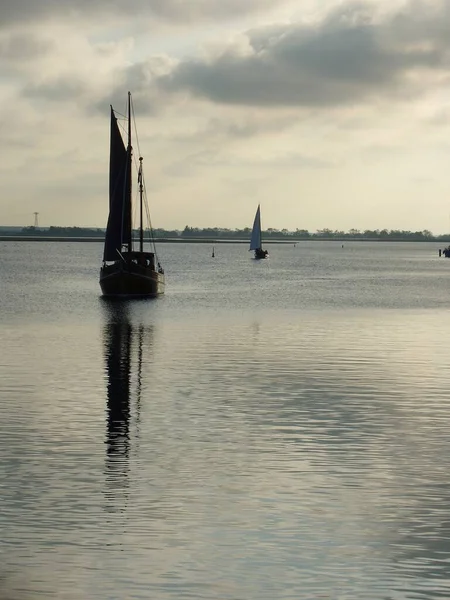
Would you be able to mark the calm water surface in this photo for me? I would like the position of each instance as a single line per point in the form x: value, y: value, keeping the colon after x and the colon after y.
x: 271, y: 430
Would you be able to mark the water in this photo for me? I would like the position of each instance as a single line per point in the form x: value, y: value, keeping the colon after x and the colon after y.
x: 267, y: 430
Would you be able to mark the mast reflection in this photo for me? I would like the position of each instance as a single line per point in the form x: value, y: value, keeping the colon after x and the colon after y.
x: 123, y: 352
x: 118, y: 336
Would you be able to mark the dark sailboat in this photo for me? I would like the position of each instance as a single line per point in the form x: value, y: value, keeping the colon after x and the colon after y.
x: 256, y: 240
x: 127, y: 271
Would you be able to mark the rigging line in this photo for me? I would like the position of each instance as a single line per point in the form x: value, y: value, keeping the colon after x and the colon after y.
x: 149, y: 220
x: 135, y: 128
x: 135, y: 207
x: 121, y: 125
x: 122, y: 129
x: 147, y: 210
x: 152, y: 241
x: 136, y: 160
x: 149, y: 229
x: 141, y: 182
x: 119, y: 117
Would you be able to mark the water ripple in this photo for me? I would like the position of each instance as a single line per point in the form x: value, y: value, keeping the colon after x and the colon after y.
x: 159, y: 450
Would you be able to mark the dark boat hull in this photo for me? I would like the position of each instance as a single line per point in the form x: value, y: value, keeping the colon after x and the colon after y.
x: 260, y: 254
x: 122, y: 280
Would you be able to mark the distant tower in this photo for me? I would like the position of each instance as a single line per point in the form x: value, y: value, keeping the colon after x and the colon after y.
x: 36, y: 222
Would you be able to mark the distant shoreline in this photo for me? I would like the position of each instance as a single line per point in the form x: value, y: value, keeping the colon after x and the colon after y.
x: 24, y: 238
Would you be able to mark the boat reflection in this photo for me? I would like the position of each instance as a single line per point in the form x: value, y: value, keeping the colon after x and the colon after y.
x: 123, y: 344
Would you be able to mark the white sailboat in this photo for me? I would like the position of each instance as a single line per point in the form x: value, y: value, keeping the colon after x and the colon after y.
x: 256, y: 240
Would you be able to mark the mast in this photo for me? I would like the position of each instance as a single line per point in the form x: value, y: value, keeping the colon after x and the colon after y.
x: 141, y: 190
x: 130, y: 165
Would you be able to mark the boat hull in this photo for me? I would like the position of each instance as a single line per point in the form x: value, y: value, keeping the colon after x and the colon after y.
x: 121, y: 280
x: 260, y: 254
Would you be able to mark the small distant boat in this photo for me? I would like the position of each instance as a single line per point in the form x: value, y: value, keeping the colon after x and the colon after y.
x: 127, y: 271
x: 256, y: 240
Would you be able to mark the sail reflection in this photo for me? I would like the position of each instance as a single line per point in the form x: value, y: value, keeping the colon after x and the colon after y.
x: 123, y: 351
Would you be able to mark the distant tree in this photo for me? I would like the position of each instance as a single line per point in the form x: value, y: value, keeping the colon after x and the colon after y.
x: 324, y: 233
x: 230, y: 234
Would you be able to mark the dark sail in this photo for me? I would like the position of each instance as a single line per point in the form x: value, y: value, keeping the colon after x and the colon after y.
x: 118, y: 230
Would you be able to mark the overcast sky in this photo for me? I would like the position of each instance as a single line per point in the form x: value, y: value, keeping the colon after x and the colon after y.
x: 329, y: 114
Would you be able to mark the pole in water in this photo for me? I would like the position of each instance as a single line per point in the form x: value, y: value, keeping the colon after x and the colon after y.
x: 213, y: 253
x: 440, y: 252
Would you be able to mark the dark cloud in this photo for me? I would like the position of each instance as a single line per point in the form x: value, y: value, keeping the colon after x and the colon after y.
x: 170, y: 10
x: 209, y: 159
x: 347, y: 57
x: 22, y: 47
x: 60, y: 89
x: 351, y: 56
x: 248, y: 126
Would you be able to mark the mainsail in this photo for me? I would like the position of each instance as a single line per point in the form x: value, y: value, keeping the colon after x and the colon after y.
x: 255, y: 241
x: 118, y: 230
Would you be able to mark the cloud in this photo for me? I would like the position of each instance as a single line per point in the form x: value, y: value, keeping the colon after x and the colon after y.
x: 21, y: 47
x: 349, y: 56
x: 248, y: 125
x: 206, y: 159
x: 61, y: 89
x: 340, y: 104
x: 178, y: 11
x: 55, y: 64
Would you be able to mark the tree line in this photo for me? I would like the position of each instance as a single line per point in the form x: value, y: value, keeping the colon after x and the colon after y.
x: 242, y: 234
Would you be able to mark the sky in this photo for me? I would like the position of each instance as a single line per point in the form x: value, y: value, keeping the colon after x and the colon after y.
x: 329, y: 114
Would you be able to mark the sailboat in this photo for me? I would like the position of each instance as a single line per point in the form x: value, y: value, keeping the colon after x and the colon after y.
x: 255, y: 240
x: 127, y: 271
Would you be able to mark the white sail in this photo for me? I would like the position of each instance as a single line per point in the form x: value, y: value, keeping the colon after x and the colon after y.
x: 255, y: 241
